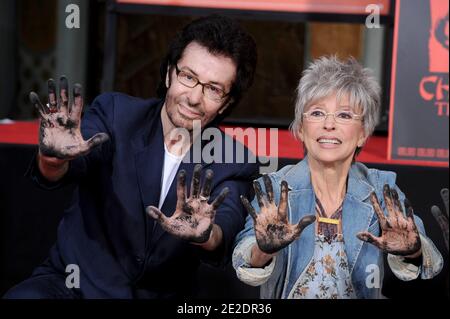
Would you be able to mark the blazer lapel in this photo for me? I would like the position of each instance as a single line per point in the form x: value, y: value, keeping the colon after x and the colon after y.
x: 149, y: 161
x: 149, y: 165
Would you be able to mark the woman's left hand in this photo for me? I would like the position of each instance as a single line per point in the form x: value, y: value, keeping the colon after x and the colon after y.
x: 399, y: 234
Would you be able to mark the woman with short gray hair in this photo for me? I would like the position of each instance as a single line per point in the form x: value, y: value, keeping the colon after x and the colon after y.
x: 328, y: 75
x: 358, y: 213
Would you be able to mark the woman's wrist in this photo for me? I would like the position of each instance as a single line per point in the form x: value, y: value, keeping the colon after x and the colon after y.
x: 416, y: 255
x: 259, y: 259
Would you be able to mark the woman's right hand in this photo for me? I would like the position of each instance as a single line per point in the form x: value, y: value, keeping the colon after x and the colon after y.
x: 272, y: 230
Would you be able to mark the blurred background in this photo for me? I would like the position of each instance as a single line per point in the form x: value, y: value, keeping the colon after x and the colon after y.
x: 37, y: 45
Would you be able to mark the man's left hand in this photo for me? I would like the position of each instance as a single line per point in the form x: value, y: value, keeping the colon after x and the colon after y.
x: 193, y: 219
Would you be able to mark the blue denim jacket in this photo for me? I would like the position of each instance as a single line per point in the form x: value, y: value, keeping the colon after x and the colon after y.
x: 365, y: 260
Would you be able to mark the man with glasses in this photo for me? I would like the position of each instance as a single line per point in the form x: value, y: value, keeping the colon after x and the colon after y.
x: 132, y: 230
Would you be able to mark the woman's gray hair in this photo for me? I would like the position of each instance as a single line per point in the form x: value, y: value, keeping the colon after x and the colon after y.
x: 328, y: 75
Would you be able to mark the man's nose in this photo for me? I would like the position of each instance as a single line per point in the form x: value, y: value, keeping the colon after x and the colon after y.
x: 195, y: 95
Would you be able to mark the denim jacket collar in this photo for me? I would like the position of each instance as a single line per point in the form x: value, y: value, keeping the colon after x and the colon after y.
x: 299, y: 177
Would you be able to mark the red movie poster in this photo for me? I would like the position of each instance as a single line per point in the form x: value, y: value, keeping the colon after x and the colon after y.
x: 419, y: 93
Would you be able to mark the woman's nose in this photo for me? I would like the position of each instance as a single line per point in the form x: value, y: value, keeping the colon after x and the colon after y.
x: 329, y: 122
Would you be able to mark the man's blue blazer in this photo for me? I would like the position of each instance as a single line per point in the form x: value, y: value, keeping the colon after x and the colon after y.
x: 120, y: 251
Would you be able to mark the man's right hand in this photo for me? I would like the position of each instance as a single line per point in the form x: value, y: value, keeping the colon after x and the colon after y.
x: 60, y: 138
x: 59, y: 132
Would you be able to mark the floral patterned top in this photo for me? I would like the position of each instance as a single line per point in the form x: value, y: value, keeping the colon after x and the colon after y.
x: 327, y: 275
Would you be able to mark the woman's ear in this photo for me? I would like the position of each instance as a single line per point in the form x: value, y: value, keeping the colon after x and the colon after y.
x: 300, y: 133
x: 362, y: 139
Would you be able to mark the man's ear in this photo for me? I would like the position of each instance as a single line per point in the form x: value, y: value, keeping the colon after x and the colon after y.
x: 225, y: 106
x: 168, y: 76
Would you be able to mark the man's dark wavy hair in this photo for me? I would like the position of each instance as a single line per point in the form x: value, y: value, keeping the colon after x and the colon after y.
x: 222, y: 36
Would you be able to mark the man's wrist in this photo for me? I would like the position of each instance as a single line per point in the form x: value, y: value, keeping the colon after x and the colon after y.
x: 215, y: 239
x: 52, y: 169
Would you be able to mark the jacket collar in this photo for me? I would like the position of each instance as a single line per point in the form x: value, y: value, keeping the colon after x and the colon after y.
x: 299, y: 178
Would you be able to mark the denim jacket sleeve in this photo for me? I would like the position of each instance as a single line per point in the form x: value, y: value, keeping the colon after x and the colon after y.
x: 241, y: 262
x: 432, y: 261
x: 243, y: 246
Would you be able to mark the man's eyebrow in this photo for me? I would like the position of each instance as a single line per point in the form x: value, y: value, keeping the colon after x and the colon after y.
x: 217, y: 83
x: 210, y: 82
x: 190, y: 70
